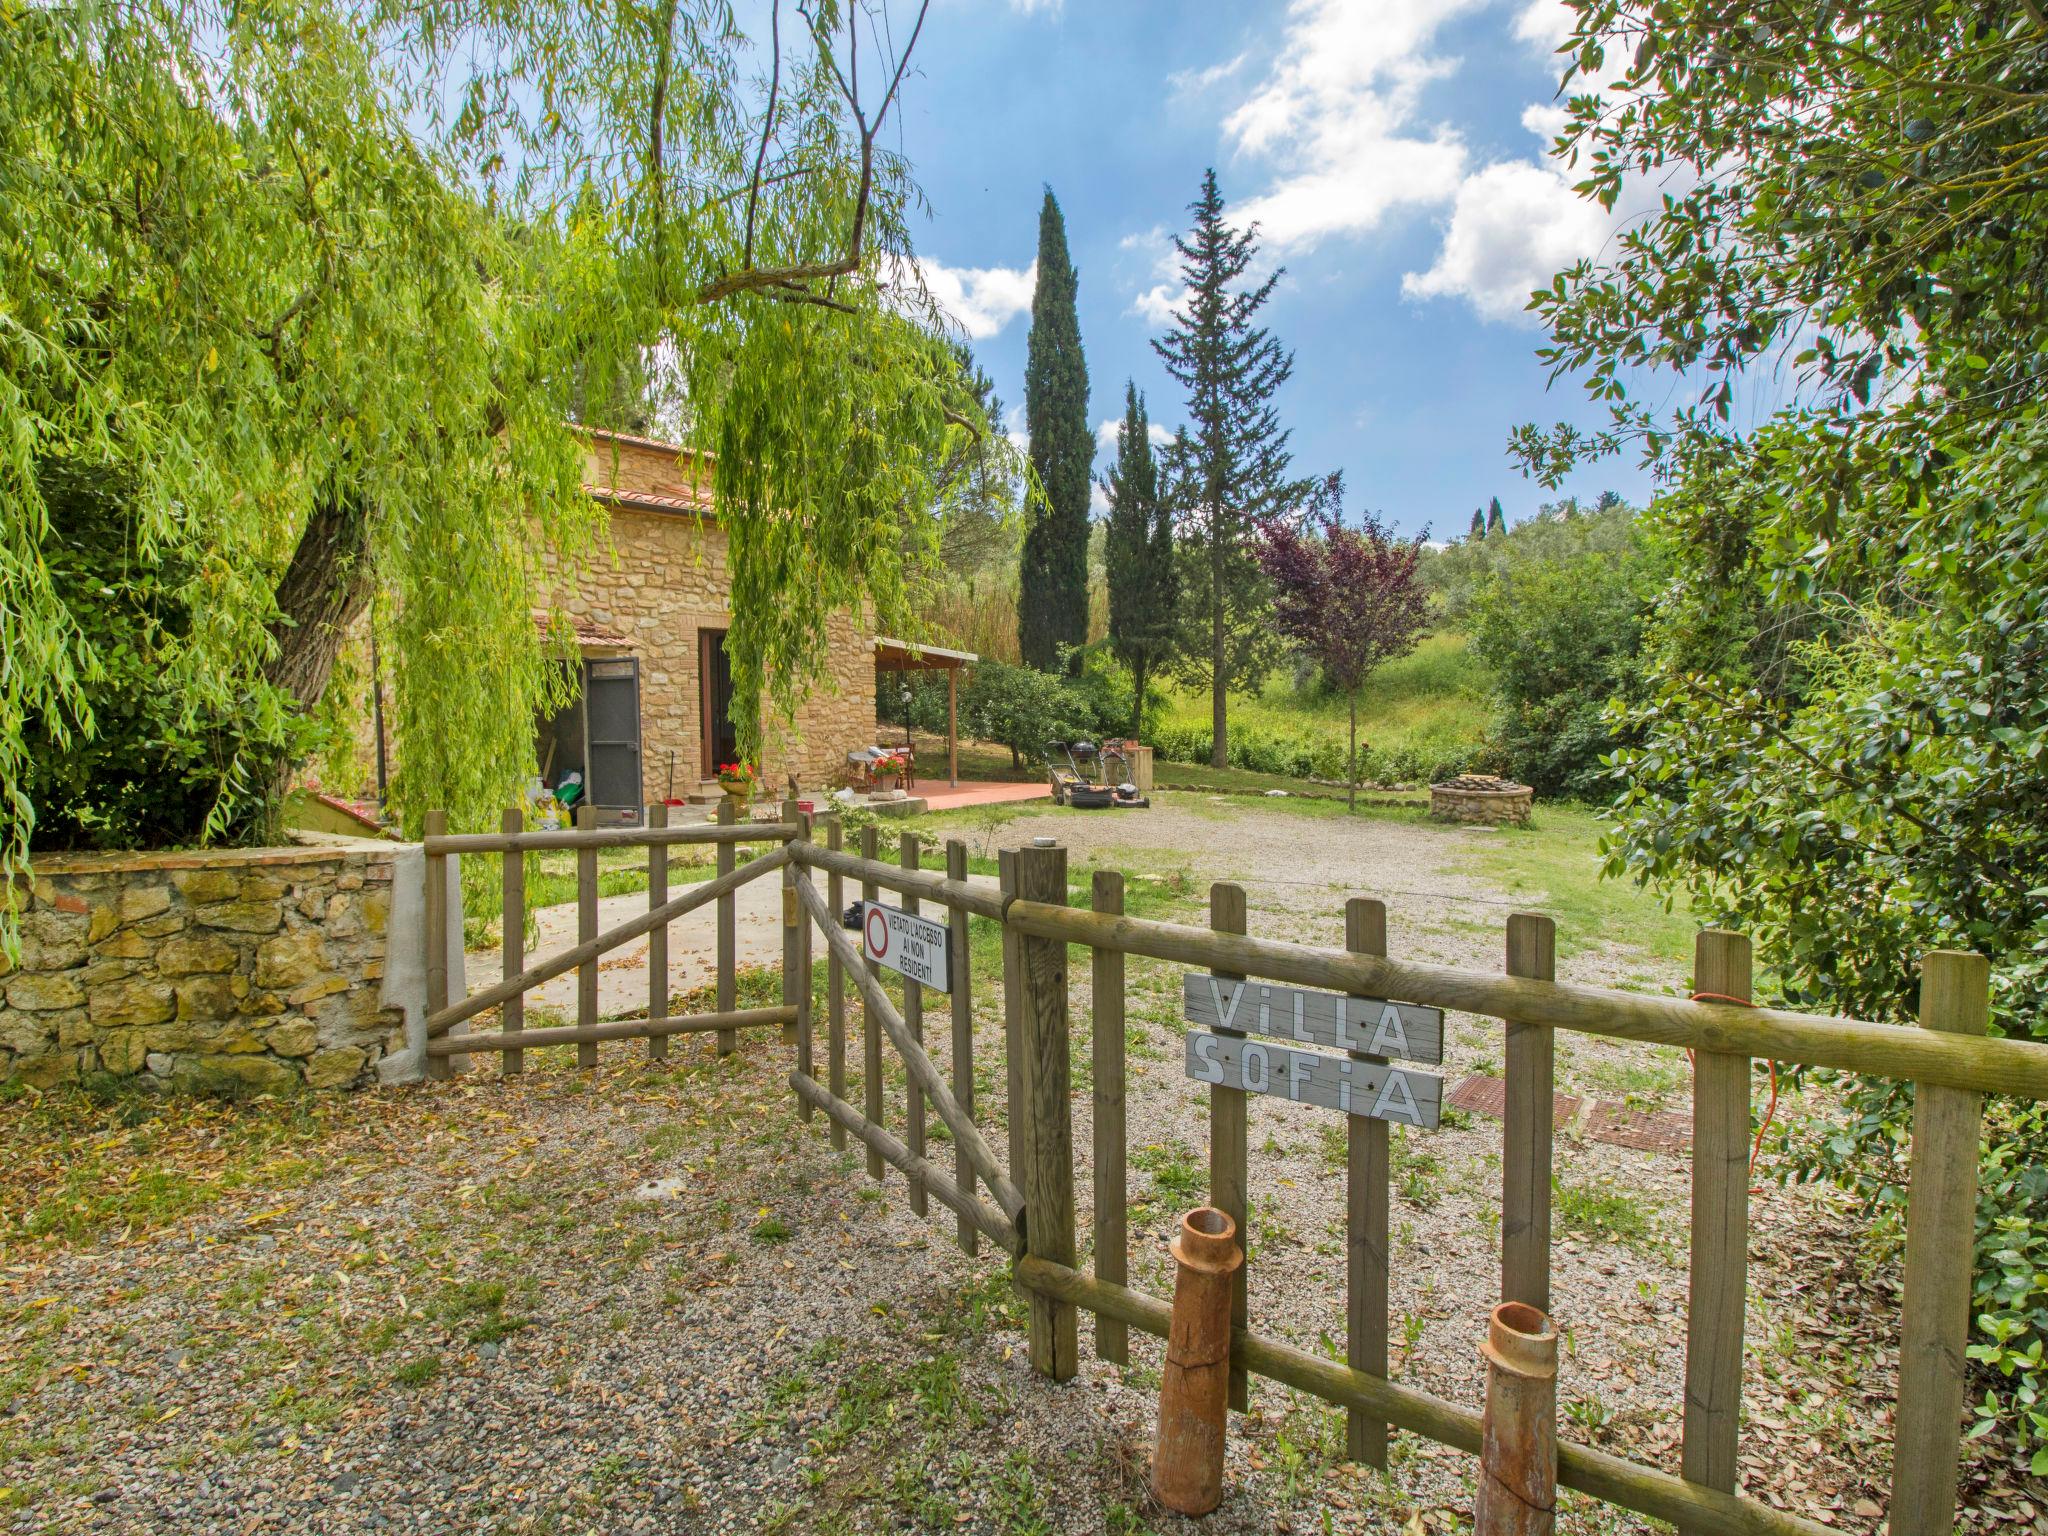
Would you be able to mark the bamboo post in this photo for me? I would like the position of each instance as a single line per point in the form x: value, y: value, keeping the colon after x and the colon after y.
x: 963, y: 1031
x: 870, y: 1026
x: 1049, y: 1171
x: 1941, y: 1223
x: 1368, y: 1174
x: 586, y: 930
x: 1194, y: 1411
x: 436, y: 825
x: 512, y: 942
x: 1718, y: 1292
x: 1528, y: 1125
x: 728, y: 930
x: 835, y: 991
x: 1106, y: 1038
x: 1013, y: 1049
x: 1229, y: 1176
x: 913, y: 1019
x: 657, y: 941
x: 796, y: 954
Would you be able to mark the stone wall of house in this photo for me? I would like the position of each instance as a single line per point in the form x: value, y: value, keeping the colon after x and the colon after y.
x: 233, y: 969
x: 666, y: 580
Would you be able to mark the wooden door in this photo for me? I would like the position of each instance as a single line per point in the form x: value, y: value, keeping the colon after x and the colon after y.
x: 714, y: 670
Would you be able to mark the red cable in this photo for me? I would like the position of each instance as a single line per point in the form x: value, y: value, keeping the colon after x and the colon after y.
x: 1771, y: 1107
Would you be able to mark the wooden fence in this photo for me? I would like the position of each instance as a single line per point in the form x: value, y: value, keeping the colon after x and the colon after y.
x: 1949, y: 1059
x: 510, y: 844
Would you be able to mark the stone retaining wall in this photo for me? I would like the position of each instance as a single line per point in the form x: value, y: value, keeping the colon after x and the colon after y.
x: 245, y: 970
x: 1490, y: 807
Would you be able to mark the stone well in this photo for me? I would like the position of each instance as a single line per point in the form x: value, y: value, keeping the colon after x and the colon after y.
x: 1482, y: 799
x: 251, y: 970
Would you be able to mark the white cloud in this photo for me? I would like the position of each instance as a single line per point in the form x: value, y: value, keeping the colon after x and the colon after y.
x: 1192, y: 82
x: 981, y: 300
x: 1167, y: 297
x: 1033, y: 7
x: 1545, y: 121
x: 1336, y: 119
x: 1545, y: 24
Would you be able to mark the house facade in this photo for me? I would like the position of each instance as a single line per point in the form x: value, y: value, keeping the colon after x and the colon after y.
x: 650, y: 616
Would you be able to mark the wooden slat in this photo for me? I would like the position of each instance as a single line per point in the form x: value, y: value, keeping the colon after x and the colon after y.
x: 916, y: 1062
x: 870, y: 1026
x: 728, y: 931
x: 913, y: 1020
x: 586, y: 930
x: 1049, y: 1175
x: 1106, y: 1038
x: 796, y: 956
x: 512, y: 940
x: 963, y: 1028
x: 1229, y: 1122
x: 981, y: 900
x: 835, y: 988
x: 1718, y: 1290
x: 978, y: 1213
x: 1368, y: 1178
x: 567, y: 960
x: 1580, y: 1468
x: 1531, y: 1073
x: 2015, y: 1067
x: 436, y: 922
x: 657, y: 941
x: 1941, y: 1218
x: 617, y: 1029
x: 608, y: 837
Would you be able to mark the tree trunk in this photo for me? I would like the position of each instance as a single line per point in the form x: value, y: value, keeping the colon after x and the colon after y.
x: 1351, y: 778
x: 322, y: 594
x: 1138, y: 699
x: 1219, y: 667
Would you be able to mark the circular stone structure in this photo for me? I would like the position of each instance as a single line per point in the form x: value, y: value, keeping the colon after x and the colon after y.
x: 1481, y: 798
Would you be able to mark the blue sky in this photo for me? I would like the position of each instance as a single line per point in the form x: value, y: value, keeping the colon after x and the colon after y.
x: 1393, y: 152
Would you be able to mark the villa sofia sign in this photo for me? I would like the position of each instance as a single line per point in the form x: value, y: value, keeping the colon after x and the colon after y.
x: 1369, y: 1030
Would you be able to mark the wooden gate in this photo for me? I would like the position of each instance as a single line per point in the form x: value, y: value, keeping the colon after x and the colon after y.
x: 1948, y: 1059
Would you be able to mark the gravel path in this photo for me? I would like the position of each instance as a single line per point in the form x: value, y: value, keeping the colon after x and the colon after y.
x: 648, y: 1299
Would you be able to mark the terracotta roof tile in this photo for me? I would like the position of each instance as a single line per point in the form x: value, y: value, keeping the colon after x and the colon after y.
x: 586, y: 631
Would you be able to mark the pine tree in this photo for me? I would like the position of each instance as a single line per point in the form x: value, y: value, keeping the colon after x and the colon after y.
x: 1139, y: 553
x: 1496, y: 520
x: 1052, y: 577
x: 1228, y: 471
x: 1478, y: 522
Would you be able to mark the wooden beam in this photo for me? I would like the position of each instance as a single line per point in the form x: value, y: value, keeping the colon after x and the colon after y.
x: 608, y: 837
x: 870, y: 1026
x: 657, y: 940
x: 620, y: 1029
x: 1049, y: 1172
x: 908, y: 850
x: 1528, y: 1121
x: 1106, y: 1045
x: 1229, y: 1136
x: 963, y: 1026
x: 1368, y: 1178
x: 980, y: 900
x: 512, y: 941
x: 835, y: 980
x: 2015, y: 1067
x: 728, y: 932
x: 586, y: 934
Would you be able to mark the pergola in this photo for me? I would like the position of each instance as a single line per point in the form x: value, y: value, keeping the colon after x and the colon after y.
x: 892, y: 655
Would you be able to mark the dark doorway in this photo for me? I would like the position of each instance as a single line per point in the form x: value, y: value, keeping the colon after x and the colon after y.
x: 597, y: 735
x: 721, y: 739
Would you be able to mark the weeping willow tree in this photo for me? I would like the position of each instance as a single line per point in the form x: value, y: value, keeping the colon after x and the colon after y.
x: 306, y: 291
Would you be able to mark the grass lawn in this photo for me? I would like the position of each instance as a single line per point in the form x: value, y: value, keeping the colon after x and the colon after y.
x: 1431, y: 700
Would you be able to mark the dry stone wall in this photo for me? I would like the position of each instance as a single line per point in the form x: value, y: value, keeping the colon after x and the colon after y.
x: 246, y: 970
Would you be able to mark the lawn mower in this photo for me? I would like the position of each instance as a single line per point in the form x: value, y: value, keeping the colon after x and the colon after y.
x: 1082, y: 781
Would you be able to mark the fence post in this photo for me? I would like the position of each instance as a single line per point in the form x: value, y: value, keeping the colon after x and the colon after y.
x: 1368, y: 1173
x: 1528, y: 1125
x: 796, y: 953
x: 1013, y: 1048
x: 657, y: 941
x: 835, y: 990
x: 1941, y: 1223
x: 1049, y: 1170
x: 963, y: 1032
x: 907, y: 853
x: 1717, y: 1295
x: 870, y: 1026
x: 586, y: 930
x: 728, y: 930
x: 436, y: 825
x: 1229, y: 1178
x: 1106, y: 1037
x: 512, y: 940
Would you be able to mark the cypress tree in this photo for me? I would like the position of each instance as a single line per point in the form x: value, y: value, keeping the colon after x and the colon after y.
x: 1228, y: 471
x: 1139, y: 552
x: 1478, y: 523
x: 1052, y: 576
x: 1496, y: 520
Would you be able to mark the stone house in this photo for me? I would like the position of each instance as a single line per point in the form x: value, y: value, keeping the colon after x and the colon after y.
x: 650, y: 620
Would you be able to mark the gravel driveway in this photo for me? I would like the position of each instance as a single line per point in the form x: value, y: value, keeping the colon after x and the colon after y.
x: 648, y: 1299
